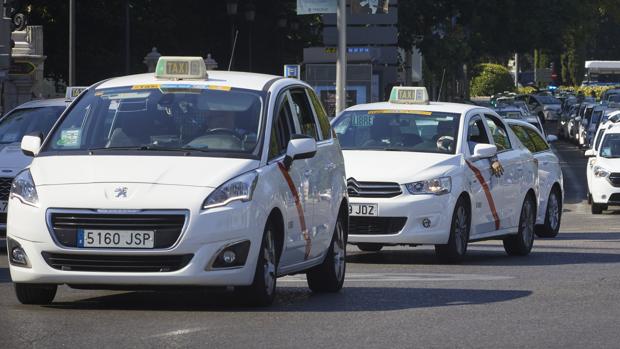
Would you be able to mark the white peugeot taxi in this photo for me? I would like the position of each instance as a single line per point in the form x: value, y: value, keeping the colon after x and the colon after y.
x: 421, y: 172
x: 603, y: 171
x: 183, y: 178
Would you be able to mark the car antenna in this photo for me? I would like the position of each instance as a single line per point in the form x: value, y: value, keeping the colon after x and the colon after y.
x: 232, y: 54
x: 443, y: 75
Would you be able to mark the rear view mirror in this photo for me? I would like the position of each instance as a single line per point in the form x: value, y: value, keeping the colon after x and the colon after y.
x: 484, y: 151
x: 31, y: 144
x: 300, y: 147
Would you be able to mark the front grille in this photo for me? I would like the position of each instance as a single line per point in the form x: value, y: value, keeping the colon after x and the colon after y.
x: 167, y: 227
x: 372, y: 189
x: 5, y: 188
x: 2, y: 218
x: 109, y: 263
x: 376, y: 225
x: 614, y: 179
x: 614, y: 199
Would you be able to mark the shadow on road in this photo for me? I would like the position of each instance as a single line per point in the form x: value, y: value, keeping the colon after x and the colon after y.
x: 594, y: 236
x: 486, y: 257
x: 293, y: 299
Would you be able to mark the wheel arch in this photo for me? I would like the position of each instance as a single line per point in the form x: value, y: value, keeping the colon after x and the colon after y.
x: 276, y: 217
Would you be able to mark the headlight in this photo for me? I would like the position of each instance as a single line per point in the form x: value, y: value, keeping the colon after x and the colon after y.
x: 237, y: 189
x: 600, y: 171
x: 24, y: 190
x: 437, y: 186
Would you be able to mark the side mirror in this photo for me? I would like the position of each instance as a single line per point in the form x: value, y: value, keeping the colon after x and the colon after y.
x: 484, y: 151
x: 552, y: 138
x: 31, y: 144
x: 590, y: 153
x: 300, y: 147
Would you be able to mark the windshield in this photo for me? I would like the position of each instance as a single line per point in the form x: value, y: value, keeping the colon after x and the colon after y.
x: 596, y: 117
x: 417, y: 131
x: 21, y: 122
x: 181, y: 117
x: 610, y: 148
x: 548, y: 100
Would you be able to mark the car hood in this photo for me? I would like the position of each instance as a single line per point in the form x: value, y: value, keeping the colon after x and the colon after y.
x: 12, y: 160
x: 612, y: 164
x: 169, y: 170
x: 397, y: 166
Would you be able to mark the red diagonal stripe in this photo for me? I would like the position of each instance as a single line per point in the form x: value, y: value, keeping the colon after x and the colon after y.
x: 487, y: 193
x: 300, y: 210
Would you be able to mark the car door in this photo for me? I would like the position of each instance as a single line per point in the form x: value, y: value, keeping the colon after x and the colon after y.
x: 290, y: 185
x: 510, y: 181
x: 548, y: 168
x: 484, y: 187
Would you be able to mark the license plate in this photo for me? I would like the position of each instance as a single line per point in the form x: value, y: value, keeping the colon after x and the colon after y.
x: 363, y: 210
x: 115, y: 239
x: 4, y: 206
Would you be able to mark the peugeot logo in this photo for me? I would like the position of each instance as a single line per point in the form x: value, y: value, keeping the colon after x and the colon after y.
x: 121, y: 192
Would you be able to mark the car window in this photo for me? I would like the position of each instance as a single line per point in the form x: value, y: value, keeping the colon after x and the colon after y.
x: 321, y: 114
x: 498, y: 132
x: 476, y: 133
x: 524, y: 137
x: 21, y: 122
x: 610, y: 148
x: 599, y: 137
x: 539, y: 142
x: 282, y: 129
x: 303, y: 112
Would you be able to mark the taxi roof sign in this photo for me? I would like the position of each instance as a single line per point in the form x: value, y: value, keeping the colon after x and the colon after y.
x: 409, y: 95
x: 181, y: 68
x: 73, y: 92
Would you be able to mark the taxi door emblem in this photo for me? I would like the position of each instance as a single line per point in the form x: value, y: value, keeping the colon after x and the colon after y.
x: 121, y: 192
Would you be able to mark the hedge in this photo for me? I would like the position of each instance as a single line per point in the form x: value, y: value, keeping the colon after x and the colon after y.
x: 490, y: 79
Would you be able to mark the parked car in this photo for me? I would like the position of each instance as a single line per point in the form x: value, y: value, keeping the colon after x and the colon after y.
x: 604, y: 168
x: 545, y: 106
x: 515, y: 113
x: 550, y: 179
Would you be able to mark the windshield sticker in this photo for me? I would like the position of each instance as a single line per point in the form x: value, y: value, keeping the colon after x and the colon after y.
x: 70, y: 138
x: 145, y: 87
x: 362, y: 120
x: 419, y: 112
x: 219, y: 88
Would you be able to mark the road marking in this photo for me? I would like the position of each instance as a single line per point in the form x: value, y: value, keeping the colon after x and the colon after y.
x: 177, y: 332
x: 406, y: 277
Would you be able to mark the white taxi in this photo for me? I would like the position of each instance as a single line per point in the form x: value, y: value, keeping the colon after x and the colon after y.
x: 603, y: 170
x: 420, y: 172
x: 182, y: 178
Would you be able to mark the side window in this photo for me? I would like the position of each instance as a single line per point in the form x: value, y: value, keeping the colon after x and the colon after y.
x: 498, y: 132
x: 524, y: 137
x: 476, y: 133
x: 539, y: 142
x: 601, y: 132
x: 304, y: 113
x: 321, y: 115
x: 281, y: 130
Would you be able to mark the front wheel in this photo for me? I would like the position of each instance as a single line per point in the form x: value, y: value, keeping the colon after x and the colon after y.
x: 521, y: 244
x: 598, y: 208
x: 263, y: 289
x: 553, y: 216
x: 329, y: 275
x: 454, y: 251
x: 35, y: 293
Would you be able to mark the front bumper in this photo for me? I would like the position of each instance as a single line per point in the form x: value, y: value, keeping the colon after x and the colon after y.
x: 416, y: 209
x: 204, y: 235
x: 604, y: 192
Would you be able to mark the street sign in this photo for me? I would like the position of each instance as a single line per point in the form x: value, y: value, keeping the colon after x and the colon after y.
x: 292, y: 71
x: 309, y: 7
x: 372, y: 7
x: 21, y: 68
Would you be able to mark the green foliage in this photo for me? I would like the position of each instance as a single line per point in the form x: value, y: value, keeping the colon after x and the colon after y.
x: 526, y: 90
x: 491, y: 79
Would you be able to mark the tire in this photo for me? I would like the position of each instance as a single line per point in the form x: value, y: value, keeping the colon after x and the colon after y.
x: 35, y: 293
x: 456, y: 248
x: 597, y: 208
x: 589, y: 199
x: 370, y: 247
x: 521, y: 244
x: 553, y: 216
x: 262, y: 292
x: 329, y: 275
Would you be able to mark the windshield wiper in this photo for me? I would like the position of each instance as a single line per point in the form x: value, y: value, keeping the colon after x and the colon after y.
x: 186, y: 150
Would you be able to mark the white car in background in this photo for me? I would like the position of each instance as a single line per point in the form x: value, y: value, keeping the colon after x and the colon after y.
x: 550, y: 179
x: 420, y: 173
x: 603, y: 170
x: 182, y: 178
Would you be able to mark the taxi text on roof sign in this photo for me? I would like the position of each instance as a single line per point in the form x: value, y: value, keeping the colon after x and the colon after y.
x: 409, y: 95
x: 181, y: 68
x: 73, y: 92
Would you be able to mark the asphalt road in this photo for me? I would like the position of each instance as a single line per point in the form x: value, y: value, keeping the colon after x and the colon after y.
x: 565, y: 294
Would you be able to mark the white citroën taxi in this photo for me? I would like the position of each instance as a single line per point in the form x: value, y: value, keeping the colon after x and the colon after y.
x: 182, y: 178
x: 421, y: 172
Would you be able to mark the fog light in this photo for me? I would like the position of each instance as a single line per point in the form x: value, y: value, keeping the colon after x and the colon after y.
x: 426, y: 223
x: 17, y: 255
x: 229, y: 256
x: 603, y: 197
